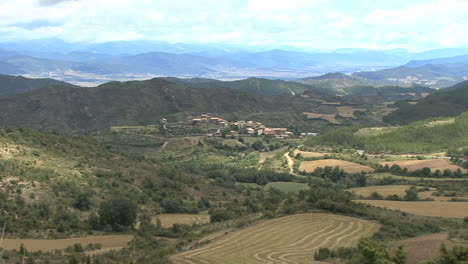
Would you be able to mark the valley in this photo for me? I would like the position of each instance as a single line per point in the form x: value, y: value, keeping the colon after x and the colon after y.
x: 320, y: 169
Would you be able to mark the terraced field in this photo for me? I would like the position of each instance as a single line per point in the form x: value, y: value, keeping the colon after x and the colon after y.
x: 350, y: 167
x: 290, y: 239
x: 433, y: 164
x: 432, y: 208
x: 167, y: 220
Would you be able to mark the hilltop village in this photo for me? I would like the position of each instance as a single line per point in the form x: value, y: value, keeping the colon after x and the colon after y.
x: 244, y: 127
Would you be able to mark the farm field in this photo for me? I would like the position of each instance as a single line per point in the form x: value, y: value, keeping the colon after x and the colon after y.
x: 328, y: 117
x: 399, y: 190
x: 290, y: 239
x: 167, y: 220
x: 433, y: 164
x: 388, y: 175
x: 348, y: 111
x: 350, y: 167
x: 113, y: 242
x: 288, y: 186
x: 423, y: 247
x: 429, y: 208
x: 308, y: 154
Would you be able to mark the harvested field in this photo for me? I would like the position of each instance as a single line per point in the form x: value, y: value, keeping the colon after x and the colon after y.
x: 423, y: 247
x: 167, y: 220
x: 290, y: 239
x: 288, y: 186
x: 114, y: 242
x: 432, y: 208
x: 328, y: 117
x: 308, y: 154
x: 433, y: 164
x: 399, y: 190
x: 388, y: 175
x: 350, y: 167
x: 348, y: 111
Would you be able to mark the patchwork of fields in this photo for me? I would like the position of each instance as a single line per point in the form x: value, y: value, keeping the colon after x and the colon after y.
x: 290, y: 239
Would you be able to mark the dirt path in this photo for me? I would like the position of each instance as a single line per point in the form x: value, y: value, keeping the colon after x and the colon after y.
x: 163, y: 146
x: 290, y: 163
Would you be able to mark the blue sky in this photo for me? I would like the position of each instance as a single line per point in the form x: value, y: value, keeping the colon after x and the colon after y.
x: 312, y: 24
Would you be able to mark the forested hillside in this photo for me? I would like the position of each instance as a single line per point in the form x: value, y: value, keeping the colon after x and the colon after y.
x: 85, y: 110
x: 17, y: 84
x: 441, y: 104
x: 422, y: 136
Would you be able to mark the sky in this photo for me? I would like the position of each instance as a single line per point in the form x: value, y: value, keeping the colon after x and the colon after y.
x: 414, y: 25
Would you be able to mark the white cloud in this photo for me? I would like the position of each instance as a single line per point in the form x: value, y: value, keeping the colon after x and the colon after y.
x: 417, y: 24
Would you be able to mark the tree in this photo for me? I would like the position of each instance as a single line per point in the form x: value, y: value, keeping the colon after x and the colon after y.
x: 257, y: 145
x: 117, y: 213
x: 411, y: 194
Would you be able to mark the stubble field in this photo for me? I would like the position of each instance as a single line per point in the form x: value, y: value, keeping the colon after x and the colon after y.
x: 290, y: 239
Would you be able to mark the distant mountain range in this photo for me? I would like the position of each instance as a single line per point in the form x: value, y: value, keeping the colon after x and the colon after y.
x: 442, y: 72
x: 90, y: 64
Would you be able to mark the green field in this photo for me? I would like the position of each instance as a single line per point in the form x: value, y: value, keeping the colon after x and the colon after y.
x: 287, y: 186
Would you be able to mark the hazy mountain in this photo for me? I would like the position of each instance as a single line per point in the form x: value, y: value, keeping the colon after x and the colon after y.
x: 459, y: 61
x: 434, y: 75
x: 443, y: 103
x: 8, y: 68
x: 18, y: 84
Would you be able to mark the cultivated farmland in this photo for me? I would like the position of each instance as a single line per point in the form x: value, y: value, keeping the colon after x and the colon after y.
x: 114, y: 242
x: 429, y: 208
x: 328, y: 117
x: 348, y: 111
x: 308, y: 154
x: 433, y: 164
x: 167, y: 220
x: 423, y: 247
x: 350, y: 167
x: 290, y: 239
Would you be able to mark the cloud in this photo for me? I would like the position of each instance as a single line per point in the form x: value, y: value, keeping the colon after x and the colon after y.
x: 323, y: 24
x: 52, y: 2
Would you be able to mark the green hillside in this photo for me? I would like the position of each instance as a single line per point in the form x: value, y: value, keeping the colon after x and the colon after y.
x: 441, y: 104
x: 422, y: 136
x: 17, y: 84
x: 254, y: 85
x: 86, y: 110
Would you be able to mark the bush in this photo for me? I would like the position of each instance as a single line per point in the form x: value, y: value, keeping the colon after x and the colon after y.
x: 118, y: 213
